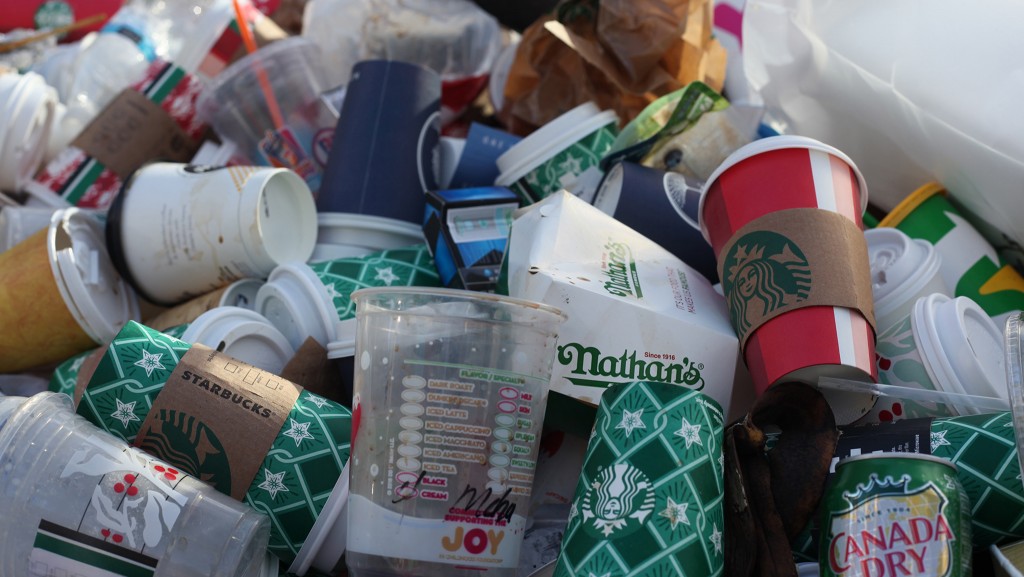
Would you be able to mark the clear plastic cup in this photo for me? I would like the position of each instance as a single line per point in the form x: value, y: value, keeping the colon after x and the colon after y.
x: 453, y: 385
x: 75, y: 500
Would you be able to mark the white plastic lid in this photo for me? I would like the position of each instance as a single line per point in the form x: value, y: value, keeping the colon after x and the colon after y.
x: 325, y: 544
x: 26, y: 118
x: 297, y: 303
x: 900, y: 267
x: 242, y: 334
x: 960, y: 345
x: 99, y: 299
x: 777, y: 143
x: 550, y: 139
x: 366, y: 232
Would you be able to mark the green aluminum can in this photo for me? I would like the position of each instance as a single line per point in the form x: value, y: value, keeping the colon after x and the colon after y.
x: 895, y: 514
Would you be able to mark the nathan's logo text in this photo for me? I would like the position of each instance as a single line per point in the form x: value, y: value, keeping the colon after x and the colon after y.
x: 590, y: 361
x: 620, y: 268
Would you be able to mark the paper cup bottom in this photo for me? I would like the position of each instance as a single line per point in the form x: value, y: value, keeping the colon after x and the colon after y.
x: 806, y: 344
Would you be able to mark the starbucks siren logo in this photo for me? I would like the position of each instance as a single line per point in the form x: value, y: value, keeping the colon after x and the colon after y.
x: 764, y: 271
x: 618, y: 501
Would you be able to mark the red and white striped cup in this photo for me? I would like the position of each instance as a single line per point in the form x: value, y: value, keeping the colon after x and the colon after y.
x: 780, y: 173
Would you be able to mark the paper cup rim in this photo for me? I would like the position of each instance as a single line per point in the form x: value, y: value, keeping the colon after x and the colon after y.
x: 330, y: 518
x: 769, y: 144
x: 99, y: 320
x: 379, y: 224
x: 548, y: 140
x: 309, y: 283
x: 230, y: 324
x: 909, y: 204
x: 461, y: 294
x: 938, y: 364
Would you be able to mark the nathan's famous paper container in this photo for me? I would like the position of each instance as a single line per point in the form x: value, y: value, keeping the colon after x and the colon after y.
x: 649, y: 499
x: 250, y: 434
x: 970, y: 265
x: 155, y: 119
x: 783, y: 215
x: 636, y: 312
x: 60, y: 294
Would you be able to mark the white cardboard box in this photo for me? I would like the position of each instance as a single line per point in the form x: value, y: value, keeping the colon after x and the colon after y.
x: 635, y: 311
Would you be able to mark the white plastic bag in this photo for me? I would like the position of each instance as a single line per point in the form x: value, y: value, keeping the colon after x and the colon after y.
x: 911, y: 91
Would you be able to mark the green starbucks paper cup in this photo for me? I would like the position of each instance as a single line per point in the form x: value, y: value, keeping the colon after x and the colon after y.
x: 556, y: 154
x: 649, y: 500
x: 295, y: 476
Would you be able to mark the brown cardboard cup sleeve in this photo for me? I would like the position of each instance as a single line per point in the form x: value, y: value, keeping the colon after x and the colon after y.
x: 217, y: 418
x: 792, y: 259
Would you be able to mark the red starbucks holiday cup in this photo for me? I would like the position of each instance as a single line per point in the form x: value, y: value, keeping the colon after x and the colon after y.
x: 777, y: 174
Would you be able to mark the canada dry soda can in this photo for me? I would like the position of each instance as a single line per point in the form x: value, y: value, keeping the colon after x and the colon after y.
x: 895, y: 514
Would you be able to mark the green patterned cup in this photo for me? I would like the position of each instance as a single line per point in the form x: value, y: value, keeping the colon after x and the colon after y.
x: 303, y: 476
x: 560, y: 151
x: 649, y: 500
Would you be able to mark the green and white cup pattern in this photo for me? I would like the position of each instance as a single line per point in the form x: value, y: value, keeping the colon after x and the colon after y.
x: 299, y: 471
x: 546, y: 179
x: 410, y: 266
x: 900, y: 364
x: 649, y: 500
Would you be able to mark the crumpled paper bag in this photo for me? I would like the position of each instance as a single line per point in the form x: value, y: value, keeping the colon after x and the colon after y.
x: 621, y: 54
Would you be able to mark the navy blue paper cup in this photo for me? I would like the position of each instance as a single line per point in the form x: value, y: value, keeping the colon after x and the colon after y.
x: 656, y: 203
x: 383, y: 158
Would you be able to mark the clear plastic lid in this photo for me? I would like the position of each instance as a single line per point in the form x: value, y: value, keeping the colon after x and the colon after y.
x: 1015, y: 379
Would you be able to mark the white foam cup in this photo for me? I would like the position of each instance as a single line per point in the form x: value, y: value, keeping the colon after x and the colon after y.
x: 296, y: 302
x: 242, y: 334
x: 902, y: 271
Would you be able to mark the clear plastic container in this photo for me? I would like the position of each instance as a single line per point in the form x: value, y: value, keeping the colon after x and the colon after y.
x: 68, y: 488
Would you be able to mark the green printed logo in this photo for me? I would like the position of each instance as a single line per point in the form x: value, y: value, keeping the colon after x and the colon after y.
x: 618, y: 502
x: 627, y: 367
x: 620, y: 268
x: 764, y: 271
x: 190, y: 445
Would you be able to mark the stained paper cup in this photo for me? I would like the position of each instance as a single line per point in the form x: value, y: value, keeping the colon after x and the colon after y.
x: 60, y: 294
x: 556, y: 154
x: 242, y: 334
x: 971, y: 267
x: 902, y: 271
x: 776, y: 174
x: 649, y: 499
x: 178, y: 231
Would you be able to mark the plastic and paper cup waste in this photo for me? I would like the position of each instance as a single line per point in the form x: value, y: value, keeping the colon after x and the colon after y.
x: 450, y: 393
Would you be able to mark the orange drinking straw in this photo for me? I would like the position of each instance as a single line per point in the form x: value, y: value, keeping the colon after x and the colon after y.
x: 250, y: 47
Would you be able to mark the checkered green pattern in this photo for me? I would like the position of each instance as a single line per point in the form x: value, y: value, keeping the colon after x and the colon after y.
x: 649, y: 500
x: 411, y: 266
x: 66, y: 373
x: 985, y: 453
x: 300, y: 471
x: 304, y: 462
x: 129, y: 377
x: 545, y: 180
